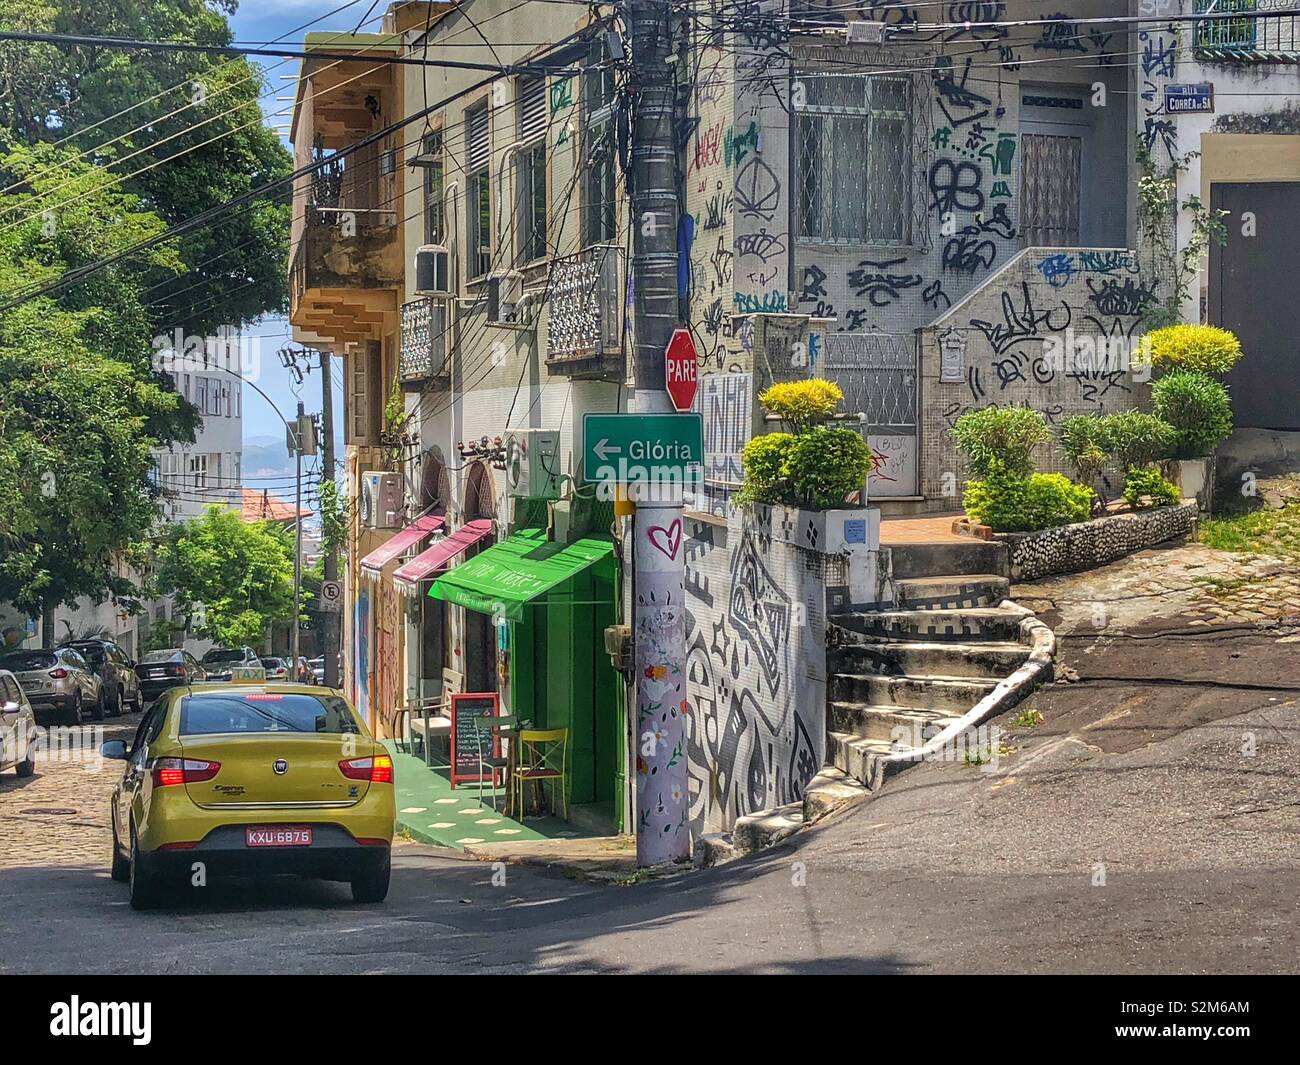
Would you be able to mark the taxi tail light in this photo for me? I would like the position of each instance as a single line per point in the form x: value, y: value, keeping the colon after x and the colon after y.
x: 168, y: 772
x: 58, y: 674
x: 377, y: 770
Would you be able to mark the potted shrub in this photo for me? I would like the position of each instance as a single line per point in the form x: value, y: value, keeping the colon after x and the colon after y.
x: 1198, y: 409
x: 815, y: 467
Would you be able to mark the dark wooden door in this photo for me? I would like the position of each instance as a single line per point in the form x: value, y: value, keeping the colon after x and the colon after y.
x: 1253, y: 290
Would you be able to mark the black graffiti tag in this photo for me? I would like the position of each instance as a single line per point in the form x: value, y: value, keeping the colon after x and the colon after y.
x: 956, y: 186
x: 873, y: 280
x: 1019, y: 322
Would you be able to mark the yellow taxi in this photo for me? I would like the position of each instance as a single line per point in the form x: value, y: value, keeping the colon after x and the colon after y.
x: 251, y: 779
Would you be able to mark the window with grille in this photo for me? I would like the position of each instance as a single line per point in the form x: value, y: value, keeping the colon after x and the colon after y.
x: 854, y: 138
x: 479, y: 209
x: 530, y: 170
x: 431, y: 149
x: 599, y: 222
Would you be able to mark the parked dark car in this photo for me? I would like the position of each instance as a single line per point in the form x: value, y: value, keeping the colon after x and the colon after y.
x: 116, y: 673
x: 219, y: 661
x: 160, y: 670
x: 59, y: 684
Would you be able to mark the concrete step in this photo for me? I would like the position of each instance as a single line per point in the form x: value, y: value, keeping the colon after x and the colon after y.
x: 957, y: 556
x: 952, y: 591
x: 919, y: 657
x: 908, y: 726
x: 964, y: 625
x: 860, y: 758
x: 955, y: 694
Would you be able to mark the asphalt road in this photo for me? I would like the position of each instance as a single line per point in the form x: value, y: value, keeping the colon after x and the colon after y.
x: 1092, y: 846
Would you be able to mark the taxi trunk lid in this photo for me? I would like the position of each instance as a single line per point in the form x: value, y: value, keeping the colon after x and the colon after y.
x: 277, y: 769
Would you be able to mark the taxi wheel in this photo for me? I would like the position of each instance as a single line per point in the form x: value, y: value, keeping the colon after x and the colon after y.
x: 144, y: 886
x: 77, y: 715
x: 372, y: 887
x: 27, y: 766
x: 100, y: 710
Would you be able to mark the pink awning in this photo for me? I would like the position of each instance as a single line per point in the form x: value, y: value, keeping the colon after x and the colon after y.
x: 417, y: 531
x: 440, y: 555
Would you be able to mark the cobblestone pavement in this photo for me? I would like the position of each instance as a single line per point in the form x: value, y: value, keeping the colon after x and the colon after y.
x: 59, y: 816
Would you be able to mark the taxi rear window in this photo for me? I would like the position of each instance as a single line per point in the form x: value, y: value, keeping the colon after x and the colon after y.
x: 212, y: 714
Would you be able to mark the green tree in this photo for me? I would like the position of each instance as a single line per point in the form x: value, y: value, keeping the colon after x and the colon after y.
x: 127, y: 110
x: 240, y: 572
x: 80, y: 406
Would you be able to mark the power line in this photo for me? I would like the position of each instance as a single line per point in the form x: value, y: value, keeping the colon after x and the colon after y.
x: 80, y: 273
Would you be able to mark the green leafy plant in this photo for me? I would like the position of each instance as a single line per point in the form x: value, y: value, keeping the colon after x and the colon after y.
x: 1197, y: 407
x: 1145, y: 482
x: 764, y: 461
x: 802, y: 404
x: 1137, y: 438
x: 1205, y: 349
x: 1158, y: 214
x: 1001, y: 436
x: 1009, y: 502
x: 824, y: 466
x: 1086, y: 444
x: 1026, y: 719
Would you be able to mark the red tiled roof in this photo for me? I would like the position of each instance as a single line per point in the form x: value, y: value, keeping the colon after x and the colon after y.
x: 262, y: 506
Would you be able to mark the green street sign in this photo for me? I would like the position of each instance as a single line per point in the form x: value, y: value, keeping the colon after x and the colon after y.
x: 642, y: 448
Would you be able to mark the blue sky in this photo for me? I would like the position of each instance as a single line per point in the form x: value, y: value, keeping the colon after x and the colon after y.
x: 268, y: 22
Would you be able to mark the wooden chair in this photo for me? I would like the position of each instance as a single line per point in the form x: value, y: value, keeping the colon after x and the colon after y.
x: 542, y: 756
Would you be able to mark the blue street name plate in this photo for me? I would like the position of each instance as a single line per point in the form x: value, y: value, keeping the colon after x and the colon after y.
x: 1190, y: 99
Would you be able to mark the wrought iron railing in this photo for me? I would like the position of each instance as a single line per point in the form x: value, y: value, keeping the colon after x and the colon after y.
x: 585, y: 300
x: 1268, y: 31
x: 423, y: 356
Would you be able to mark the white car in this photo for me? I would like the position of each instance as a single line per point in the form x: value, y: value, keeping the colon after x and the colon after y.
x: 17, y: 727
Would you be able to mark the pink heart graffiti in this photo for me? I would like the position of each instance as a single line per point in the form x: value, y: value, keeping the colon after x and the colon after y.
x: 668, y: 540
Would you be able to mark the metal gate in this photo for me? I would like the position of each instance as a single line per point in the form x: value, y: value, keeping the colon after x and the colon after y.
x: 877, y: 374
x: 1252, y: 291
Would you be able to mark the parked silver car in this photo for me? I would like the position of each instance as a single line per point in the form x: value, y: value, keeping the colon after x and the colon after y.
x: 17, y: 727
x: 59, y: 684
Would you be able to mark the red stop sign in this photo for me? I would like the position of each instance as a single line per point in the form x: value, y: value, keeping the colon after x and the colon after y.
x: 681, y: 370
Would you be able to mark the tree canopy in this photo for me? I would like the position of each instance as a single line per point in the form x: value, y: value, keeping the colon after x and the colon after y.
x: 241, y: 572
x: 183, y: 131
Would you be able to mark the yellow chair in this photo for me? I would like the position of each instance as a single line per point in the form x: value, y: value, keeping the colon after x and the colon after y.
x: 542, y: 754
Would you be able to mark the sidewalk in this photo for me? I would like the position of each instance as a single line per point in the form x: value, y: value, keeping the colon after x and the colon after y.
x: 430, y: 811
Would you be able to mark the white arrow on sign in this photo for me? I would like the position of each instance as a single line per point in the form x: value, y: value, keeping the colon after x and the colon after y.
x: 602, y: 449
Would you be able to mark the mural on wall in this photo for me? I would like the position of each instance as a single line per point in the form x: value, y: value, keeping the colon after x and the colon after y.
x: 725, y: 403
x: 756, y: 729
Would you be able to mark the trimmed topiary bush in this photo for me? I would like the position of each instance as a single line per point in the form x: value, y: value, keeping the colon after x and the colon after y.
x: 1001, y: 436
x: 1145, y: 482
x: 1197, y: 407
x: 824, y: 466
x: 1203, y: 348
x: 1137, y: 439
x: 1006, y: 502
x: 763, y: 461
x: 802, y: 404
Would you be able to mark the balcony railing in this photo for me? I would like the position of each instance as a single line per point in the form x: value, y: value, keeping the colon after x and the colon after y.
x: 422, y: 362
x: 1267, y: 32
x: 585, y: 301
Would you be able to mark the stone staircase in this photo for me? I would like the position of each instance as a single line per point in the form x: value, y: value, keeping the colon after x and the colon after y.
x: 899, y: 678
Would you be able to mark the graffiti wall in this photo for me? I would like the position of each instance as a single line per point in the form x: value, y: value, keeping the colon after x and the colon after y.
x: 756, y: 670
x: 1056, y: 331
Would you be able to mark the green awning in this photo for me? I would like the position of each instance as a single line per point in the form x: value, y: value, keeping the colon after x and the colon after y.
x: 508, y: 575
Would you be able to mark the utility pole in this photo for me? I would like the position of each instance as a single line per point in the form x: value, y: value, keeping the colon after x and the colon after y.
x: 332, y: 619
x: 297, y: 540
x: 658, y: 534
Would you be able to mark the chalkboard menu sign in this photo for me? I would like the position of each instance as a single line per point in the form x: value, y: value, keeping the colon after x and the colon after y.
x: 467, y: 708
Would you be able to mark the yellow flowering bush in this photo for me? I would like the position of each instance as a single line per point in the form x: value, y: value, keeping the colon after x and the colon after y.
x: 802, y: 404
x: 1203, y: 348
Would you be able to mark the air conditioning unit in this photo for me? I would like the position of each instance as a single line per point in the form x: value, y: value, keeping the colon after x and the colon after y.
x: 381, y: 503
x: 505, y: 291
x: 533, y: 463
x: 432, y: 271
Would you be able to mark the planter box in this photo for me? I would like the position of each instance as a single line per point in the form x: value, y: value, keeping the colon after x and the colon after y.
x: 1194, y: 478
x: 851, y: 534
x: 1086, y: 544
